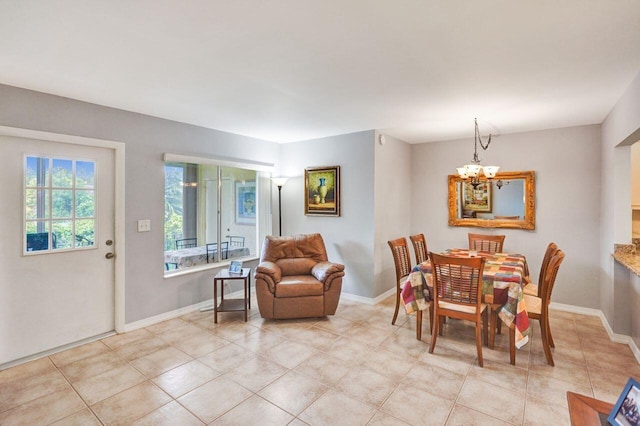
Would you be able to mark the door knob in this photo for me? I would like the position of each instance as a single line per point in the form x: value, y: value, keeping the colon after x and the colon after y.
x: 109, y: 255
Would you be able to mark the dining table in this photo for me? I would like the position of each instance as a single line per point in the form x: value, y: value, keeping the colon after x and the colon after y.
x: 502, y: 283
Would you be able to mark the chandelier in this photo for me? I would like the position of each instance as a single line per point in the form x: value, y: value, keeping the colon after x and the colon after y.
x: 473, y: 170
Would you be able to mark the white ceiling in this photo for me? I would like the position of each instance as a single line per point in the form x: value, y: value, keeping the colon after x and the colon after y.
x: 287, y: 70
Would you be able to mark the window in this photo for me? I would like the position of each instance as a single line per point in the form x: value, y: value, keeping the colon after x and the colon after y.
x: 60, y: 204
x: 212, y: 213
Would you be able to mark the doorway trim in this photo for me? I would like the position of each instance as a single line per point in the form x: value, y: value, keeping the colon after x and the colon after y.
x: 119, y: 201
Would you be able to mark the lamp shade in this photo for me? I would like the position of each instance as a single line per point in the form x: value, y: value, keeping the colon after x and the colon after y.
x: 462, y: 172
x: 473, y: 169
x: 279, y: 181
x: 490, y: 171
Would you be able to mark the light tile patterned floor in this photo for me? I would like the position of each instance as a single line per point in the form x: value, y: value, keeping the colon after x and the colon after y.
x: 353, y: 368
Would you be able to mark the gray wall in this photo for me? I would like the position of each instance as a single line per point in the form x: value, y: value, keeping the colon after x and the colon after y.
x: 147, y: 292
x: 583, y: 195
x: 393, y: 199
x: 620, y: 129
x: 349, y: 238
x: 567, y: 166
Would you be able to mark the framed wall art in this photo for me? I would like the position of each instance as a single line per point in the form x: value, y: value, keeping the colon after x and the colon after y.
x: 322, y: 191
x: 476, y: 199
x: 246, y: 203
x: 627, y: 409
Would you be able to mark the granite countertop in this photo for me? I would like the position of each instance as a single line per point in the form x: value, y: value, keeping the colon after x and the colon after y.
x: 627, y: 255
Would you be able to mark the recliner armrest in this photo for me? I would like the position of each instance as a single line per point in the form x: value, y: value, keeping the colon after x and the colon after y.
x: 269, y: 273
x: 323, y: 270
x: 270, y: 269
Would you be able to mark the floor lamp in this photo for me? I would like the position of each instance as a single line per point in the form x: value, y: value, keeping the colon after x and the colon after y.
x: 279, y: 181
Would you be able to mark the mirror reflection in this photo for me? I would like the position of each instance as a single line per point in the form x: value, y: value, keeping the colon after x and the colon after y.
x: 507, y: 201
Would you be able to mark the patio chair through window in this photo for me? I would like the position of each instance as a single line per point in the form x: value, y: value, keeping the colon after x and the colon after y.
x: 212, y: 248
x: 186, y: 243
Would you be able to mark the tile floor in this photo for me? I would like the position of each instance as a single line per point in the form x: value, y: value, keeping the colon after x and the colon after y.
x: 353, y: 368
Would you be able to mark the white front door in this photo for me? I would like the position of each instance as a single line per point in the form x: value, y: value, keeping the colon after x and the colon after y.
x: 57, y: 296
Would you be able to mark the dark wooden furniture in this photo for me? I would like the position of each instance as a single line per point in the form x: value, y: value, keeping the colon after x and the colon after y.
x: 402, y: 262
x: 488, y: 243
x: 420, y: 247
x: 538, y: 307
x: 457, y: 290
x: 532, y: 288
x: 587, y: 411
x: 230, y: 305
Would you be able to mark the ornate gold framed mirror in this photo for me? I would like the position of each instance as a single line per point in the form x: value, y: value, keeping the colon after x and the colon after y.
x: 506, y: 201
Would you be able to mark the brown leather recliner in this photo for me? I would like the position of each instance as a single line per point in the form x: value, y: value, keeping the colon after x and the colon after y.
x: 295, y: 280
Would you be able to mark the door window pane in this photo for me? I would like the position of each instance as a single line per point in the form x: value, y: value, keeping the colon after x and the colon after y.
x: 37, y: 236
x: 62, y: 173
x: 85, y: 174
x: 37, y: 203
x: 37, y: 171
x: 85, y: 203
x: 62, y: 203
x: 59, y: 204
x: 63, y: 230
x: 85, y: 232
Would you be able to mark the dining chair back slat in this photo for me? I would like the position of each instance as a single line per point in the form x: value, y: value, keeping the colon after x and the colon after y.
x: 402, y: 263
x: 534, y: 288
x: 420, y: 247
x: 486, y: 243
x: 457, y: 293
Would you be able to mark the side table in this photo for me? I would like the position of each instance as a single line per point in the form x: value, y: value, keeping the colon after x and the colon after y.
x: 231, y: 305
x: 587, y: 411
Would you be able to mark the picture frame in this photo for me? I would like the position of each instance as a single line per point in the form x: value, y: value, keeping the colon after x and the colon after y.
x: 245, y: 211
x: 626, y: 411
x: 478, y: 199
x: 235, y: 267
x: 322, y: 191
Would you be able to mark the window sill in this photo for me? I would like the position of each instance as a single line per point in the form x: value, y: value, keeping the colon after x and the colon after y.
x: 205, y: 267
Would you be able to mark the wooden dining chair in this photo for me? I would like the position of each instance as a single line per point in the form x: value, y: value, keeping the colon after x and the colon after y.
x: 420, y: 247
x: 402, y: 262
x: 538, y: 307
x: 457, y: 291
x: 487, y: 243
x: 532, y: 288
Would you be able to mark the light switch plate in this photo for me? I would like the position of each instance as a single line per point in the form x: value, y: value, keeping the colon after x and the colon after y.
x: 144, y: 225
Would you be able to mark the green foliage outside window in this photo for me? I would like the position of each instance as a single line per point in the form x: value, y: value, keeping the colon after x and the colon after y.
x: 61, y: 206
x: 173, y: 221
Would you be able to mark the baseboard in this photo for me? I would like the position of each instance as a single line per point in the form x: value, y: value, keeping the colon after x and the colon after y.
x: 55, y: 350
x: 165, y: 316
x: 368, y: 300
x: 614, y: 337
